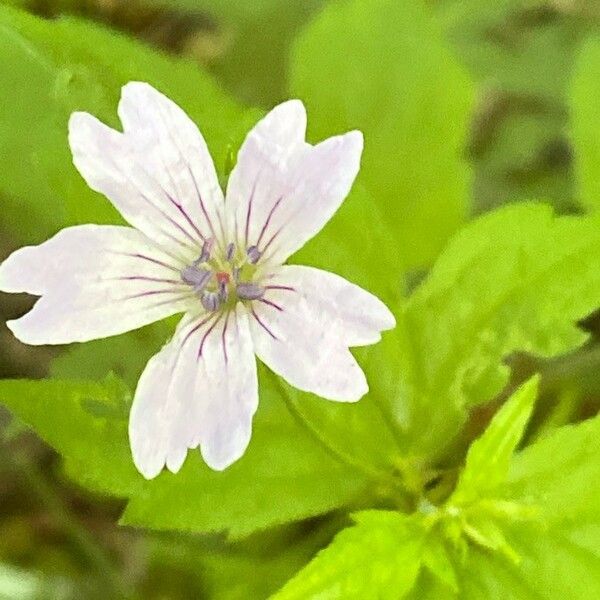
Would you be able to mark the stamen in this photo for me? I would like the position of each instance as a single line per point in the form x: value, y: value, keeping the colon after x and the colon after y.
x: 210, y: 301
x: 230, y: 251
x: 249, y: 291
x: 199, y: 278
x: 253, y: 254
x: 206, y: 251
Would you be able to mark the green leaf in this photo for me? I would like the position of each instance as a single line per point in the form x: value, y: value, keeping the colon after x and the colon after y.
x: 379, y: 558
x: 551, y: 566
x: 95, y: 448
x: 437, y: 559
x: 381, y: 66
x: 521, y: 45
x: 259, y: 565
x: 56, y: 67
x: 561, y: 474
x: 489, y: 457
x: 558, y: 552
x: 283, y: 462
x: 496, y: 547
x: 585, y: 119
x: 252, y: 42
x: 86, y: 422
x: 125, y: 355
x: 516, y: 279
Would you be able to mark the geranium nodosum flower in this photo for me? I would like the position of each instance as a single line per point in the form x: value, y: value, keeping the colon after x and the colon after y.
x: 218, y: 260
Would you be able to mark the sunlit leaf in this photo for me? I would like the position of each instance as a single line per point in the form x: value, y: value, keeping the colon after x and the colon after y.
x: 517, y: 279
x: 382, y: 66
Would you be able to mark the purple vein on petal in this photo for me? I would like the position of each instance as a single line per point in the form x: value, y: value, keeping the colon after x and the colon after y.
x: 149, y: 259
x: 175, y: 224
x: 269, y: 303
x: 157, y: 208
x: 205, y: 336
x: 178, y: 205
x: 271, y: 240
x: 223, y: 340
x: 267, y: 221
x: 189, y: 170
x: 258, y: 320
x: 144, y: 278
x: 158, y: 292
x: 280, y: 287
x: 195, y: 327
x: 181, y: 296
x: 249, y: 211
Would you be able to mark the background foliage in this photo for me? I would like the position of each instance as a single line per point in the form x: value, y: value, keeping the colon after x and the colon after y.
x: 462, y: 474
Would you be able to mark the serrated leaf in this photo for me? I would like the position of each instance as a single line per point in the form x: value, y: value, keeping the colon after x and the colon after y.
x: 488, y: 459
x: 382, y: 66
x: 283, y: 462
x: 554, y: 552
x: 517, y: 279
x: 550, y: 567
x: 377, y: 559
x: 559, y: 552
x: 561, y: 474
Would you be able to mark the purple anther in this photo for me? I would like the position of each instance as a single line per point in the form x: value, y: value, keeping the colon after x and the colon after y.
x: 210, y: 301
x: 235, y: 273
x: 249, y: 291
x: 206, y: 251
x: 192, y: 275
x: 230, y: 251
x: 253, y: 254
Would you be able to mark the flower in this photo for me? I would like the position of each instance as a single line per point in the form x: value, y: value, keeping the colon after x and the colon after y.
x: 218, y: 260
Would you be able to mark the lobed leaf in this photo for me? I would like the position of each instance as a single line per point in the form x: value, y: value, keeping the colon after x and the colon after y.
x: 517, y: 279
x: 490, y: 548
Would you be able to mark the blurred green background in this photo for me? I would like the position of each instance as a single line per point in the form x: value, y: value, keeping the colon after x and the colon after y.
x: 59, y: 541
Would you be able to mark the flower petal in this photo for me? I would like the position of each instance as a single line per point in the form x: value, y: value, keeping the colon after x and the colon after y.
x: 354, y: 313
x: 283, y: 190
x: 307, y: 349
x: 95, y: 281
x: 158, y: 173
x: 200, y: 390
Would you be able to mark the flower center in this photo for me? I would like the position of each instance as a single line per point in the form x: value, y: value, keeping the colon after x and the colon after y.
x: 221, y: 281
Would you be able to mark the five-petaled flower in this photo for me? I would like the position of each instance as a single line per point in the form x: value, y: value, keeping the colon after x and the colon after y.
x: 218, y: 260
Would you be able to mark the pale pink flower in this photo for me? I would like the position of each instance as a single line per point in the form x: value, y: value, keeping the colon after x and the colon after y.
x: 217, y: 259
